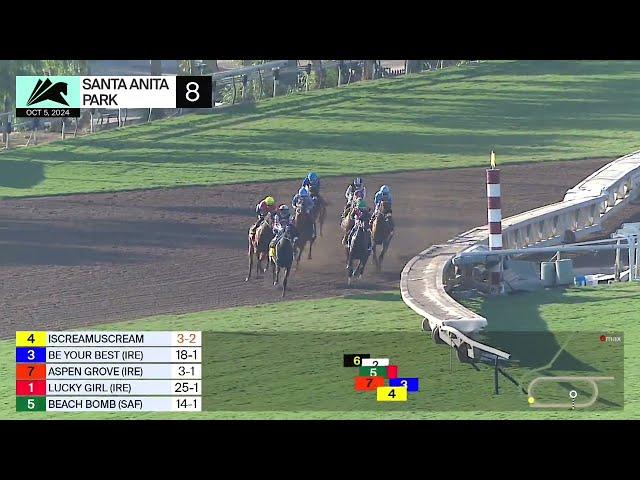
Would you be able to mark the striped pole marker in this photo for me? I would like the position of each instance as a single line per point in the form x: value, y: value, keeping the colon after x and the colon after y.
x: 494, y: 215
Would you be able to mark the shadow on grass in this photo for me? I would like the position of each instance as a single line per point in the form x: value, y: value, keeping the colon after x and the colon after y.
x: 382, y: 297
x: 516, y: 326
x: 20, y: 174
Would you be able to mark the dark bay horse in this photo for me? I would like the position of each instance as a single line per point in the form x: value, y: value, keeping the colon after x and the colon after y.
x: 381, y: 233
x: 303, y: 222
x: 284, y: 252
x: 259, y: 246
x: 357, y: 250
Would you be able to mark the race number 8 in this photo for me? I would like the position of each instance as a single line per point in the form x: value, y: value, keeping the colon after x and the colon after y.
x: 193, y: 93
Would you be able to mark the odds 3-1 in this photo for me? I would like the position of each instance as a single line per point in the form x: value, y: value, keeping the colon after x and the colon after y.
x: 101, y: 100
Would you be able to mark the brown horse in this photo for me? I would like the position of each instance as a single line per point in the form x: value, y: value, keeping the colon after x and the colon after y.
x: 259, y: 246
x: 381, y: 233
x: 319, y: 211
x: 303, y: 222
x: 346, y: 225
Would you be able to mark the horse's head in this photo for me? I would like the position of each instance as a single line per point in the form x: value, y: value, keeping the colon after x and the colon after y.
x: 301, y: 213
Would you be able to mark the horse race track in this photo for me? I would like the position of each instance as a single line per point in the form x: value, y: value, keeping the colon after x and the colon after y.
x: 97, y: 258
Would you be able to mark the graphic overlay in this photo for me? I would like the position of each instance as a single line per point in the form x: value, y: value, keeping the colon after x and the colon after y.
x: 43, y: 97
x: 323, y: 371
x: 108, y: 371
x: 65, y: 96
x: 354, y: 359
x: 391, y: 394
x: 412, y: 384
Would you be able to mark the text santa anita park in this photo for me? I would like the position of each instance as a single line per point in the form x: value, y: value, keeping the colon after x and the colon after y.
x: 122, y: 84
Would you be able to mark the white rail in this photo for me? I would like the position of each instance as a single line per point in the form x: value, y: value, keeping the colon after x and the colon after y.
x: 582, y: 212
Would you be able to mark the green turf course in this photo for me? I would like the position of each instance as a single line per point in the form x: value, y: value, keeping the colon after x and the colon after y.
x: 608, y: 308
x: 526, y: 110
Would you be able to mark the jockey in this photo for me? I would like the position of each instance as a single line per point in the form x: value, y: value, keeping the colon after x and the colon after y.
x: 312, y: 183
x: 303, y: 198
x: 356, y: 186
x: 265, y: 206
x: 361, y: 217
x: 282, y: 220
x: 382, y: 195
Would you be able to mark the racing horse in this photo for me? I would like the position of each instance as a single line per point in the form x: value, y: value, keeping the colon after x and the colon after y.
x: 259, y: 245
x: 303, y: 222
x: 358, y: 250
x: 381, y: 233
x: 319, y: 211
x: 346, y: 224
x: 282, y: 257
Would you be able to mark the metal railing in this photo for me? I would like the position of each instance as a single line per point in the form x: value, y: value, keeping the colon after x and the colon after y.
x: 234, y: 82
x: 585, y: 207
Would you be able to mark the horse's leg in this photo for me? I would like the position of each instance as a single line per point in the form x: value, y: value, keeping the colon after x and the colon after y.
x: 250, y: 263
x: 311, y: 245
x: 363, y: 263
x: 375, y: 257
x: 349, y: 268
x: 385, y: 247
x: 276, y: 270
x: 300, y: 250
x: 321, y: 217
x: 258, y: 264
x: 286, y: 278
x: 273, y: 272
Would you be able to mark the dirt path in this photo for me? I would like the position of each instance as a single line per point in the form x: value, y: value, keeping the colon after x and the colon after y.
x: 90, y: 259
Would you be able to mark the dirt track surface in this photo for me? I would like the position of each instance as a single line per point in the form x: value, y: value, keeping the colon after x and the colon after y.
x: 88, y: 259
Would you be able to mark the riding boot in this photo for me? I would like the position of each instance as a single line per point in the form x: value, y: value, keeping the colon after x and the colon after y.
x: 314, y: 230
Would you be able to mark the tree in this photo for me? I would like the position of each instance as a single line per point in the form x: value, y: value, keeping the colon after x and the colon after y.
x: 413, y: 66
x: 316, y: 65
x: 368, y: 69
x: 9, y: 69
x: 186, y: 66
x: 212, y: 65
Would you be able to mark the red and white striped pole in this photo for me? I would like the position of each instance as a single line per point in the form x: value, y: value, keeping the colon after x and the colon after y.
x: 494, y: 216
